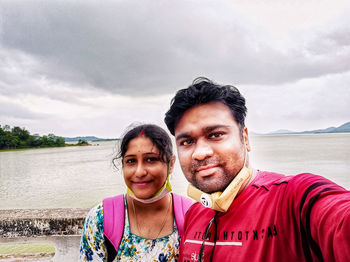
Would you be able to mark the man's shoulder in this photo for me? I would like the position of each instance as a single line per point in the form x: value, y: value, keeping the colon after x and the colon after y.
x: 309, y: 182
x: 266, y: 179
x: 310, y: 178
x: 293, y: 183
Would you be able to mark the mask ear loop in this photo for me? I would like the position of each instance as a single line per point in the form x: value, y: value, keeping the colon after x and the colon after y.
x: 245, y: 157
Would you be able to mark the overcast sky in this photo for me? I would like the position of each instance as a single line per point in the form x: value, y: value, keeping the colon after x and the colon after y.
x: 76, y: 68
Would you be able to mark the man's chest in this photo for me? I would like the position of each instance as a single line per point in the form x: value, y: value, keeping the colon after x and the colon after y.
x: 257, y: 231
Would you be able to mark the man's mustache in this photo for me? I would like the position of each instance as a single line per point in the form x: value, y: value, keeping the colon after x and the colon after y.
x: 196, y: 164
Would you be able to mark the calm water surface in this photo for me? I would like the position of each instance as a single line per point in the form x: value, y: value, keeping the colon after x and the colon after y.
x: 83, y: 176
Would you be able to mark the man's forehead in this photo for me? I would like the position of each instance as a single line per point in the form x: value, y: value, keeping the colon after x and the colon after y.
x: 205, y: 117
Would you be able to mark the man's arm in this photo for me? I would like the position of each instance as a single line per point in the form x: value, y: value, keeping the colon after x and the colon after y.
x: 324, y: 213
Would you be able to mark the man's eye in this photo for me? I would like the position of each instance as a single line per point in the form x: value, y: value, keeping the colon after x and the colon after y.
x: 215, y: 135
x: 186, y: 142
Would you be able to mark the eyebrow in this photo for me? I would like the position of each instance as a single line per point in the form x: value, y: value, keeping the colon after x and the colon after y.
x: 148, y: 153
x: 207, y: 129
x: 211, y: 128
x: 182, y: 135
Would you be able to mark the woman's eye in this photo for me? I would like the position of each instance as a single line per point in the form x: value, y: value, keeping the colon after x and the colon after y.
x: 152, y: 159
x: 130, y: 161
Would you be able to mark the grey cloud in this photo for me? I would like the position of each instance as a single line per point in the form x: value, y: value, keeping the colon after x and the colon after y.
x: 14, y: 110
x: 19, y: 77
x: 157, y: 47
x: 310, y: 104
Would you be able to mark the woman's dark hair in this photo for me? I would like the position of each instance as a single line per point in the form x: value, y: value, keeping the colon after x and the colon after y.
x: 203, y: 91
x: 156, y: 134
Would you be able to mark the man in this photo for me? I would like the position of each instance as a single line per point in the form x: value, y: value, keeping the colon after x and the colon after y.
x: 253, y: 215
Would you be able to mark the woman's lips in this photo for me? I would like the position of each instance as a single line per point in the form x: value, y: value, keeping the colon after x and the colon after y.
x: 142, y: 183
x: 207, y: 170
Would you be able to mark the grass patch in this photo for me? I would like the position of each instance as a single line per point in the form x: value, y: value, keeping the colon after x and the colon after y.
x: 26, y: 248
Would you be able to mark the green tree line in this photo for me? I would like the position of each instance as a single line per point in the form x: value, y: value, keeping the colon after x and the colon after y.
x: 16, y: 137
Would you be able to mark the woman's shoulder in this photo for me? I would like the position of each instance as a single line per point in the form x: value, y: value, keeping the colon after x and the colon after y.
x: 98, y: 210
x: 116, y: 197
x: 95, y: 213
x: 114, y: 204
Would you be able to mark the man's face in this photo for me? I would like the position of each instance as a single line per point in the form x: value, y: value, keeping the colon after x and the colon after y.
x: 210, y: 147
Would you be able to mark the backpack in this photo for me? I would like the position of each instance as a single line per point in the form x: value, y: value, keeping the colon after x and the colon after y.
x: 114, y: 218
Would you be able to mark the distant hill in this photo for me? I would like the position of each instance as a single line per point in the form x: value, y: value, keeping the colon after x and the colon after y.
x: 344, y: 128
x: 281, y: 132
x: 87, y: 138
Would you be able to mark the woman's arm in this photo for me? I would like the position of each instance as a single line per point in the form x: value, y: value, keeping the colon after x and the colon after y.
x: 92, y: 246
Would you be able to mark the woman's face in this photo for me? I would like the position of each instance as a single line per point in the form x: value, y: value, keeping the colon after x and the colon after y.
x: 144, y: 171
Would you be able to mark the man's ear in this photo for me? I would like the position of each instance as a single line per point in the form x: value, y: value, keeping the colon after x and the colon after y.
x: 171, y: 164
x: 246, y: 139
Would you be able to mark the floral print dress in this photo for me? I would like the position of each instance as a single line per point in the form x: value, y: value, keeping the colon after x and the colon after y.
x: 132, y: 247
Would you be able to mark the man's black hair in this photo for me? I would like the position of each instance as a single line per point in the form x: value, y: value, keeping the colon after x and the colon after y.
x: 204, y: 91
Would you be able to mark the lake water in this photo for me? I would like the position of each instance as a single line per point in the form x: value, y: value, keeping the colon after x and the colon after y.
x: 83, y: 176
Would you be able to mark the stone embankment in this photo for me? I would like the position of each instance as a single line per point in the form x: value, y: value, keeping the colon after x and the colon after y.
x: 61, y: 227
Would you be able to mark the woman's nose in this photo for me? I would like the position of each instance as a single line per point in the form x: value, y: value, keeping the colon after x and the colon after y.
x: 202, y: 150
x: 140, y: 170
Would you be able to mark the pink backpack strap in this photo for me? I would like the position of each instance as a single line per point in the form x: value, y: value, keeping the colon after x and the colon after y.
x: 113, y: 219
x: 181, y: 205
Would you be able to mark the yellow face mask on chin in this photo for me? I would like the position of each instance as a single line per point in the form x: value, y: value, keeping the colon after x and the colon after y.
x: 221, y: 201
x: 162, y: 192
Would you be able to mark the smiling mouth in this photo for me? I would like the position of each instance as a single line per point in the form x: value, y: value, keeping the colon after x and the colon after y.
x: 205, y: 167
x: 141, y: 183
x: 208, y: 170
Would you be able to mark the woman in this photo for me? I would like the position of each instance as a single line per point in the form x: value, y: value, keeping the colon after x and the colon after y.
x: 146, y: 222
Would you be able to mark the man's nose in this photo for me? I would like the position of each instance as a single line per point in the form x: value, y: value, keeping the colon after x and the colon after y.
x: 202, y: 150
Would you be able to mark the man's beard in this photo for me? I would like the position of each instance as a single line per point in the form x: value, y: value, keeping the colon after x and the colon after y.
x: 212, y: 184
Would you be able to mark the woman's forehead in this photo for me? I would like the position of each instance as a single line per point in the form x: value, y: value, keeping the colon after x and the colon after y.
x: 141, y: 144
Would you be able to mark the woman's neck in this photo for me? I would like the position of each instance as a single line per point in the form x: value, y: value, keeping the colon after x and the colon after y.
x: 149, y: 207
x: 151, y: 220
